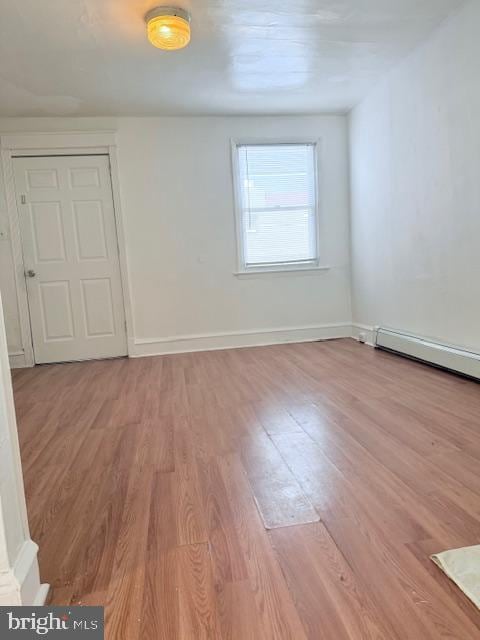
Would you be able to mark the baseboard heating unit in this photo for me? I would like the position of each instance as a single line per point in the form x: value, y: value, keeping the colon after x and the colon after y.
x: 446, y: 357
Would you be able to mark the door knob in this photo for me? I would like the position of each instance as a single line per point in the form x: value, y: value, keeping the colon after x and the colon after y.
x: 30, y: 273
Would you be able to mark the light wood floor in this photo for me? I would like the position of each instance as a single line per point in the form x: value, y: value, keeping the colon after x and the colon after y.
x: 149, y: 484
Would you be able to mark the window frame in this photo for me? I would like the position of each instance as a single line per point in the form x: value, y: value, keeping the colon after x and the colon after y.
x: 311, y: 265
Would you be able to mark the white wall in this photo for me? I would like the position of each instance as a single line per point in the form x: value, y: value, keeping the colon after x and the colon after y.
x: 415, y: 174
x: 176, y: 189
x: 177, y: 198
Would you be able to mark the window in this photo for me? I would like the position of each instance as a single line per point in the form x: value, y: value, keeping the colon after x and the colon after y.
x: 276, y: 205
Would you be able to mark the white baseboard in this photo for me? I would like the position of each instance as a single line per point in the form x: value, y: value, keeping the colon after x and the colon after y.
x: 17, y: 360
x: 237, y: 339
x: 141, y: 347
x: 42, y: 595
x: 21, y: 585
x: 363, y: 333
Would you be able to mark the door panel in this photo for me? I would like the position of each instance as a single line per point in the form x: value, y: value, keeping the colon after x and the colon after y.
x: 42, y: 178
x: 84, y: 177
x: 90, y: 230
x: 69, y: 239
x: 56, y: 311
x: 98, y: 307
x: 47, y: 231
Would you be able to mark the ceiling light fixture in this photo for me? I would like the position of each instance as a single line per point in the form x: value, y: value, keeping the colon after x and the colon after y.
x: 168, y: 28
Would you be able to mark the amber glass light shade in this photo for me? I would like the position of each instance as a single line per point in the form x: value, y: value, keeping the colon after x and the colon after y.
x: 168, y: 29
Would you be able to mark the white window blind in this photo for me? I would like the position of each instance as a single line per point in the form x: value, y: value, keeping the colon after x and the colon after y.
x: 278, y: 208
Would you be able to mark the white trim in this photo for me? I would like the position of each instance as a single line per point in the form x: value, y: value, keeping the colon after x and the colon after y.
x: 368, y: 332
x: 238, y: 339
x: 122, y: 243
x: 10, y: 433
x: 62, y: 141
x: 282, y: 270
x: 237, y: 199
x: 50, y: 144
x: 21, y: 584
x: 42, y: 595
x: 240, y: 261
x: 19, y: 573
x: 246, y: 140
x: 17, y: 256
x: 17, y: 360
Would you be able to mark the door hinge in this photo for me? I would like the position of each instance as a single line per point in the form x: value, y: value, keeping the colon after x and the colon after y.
x: 23, y: 199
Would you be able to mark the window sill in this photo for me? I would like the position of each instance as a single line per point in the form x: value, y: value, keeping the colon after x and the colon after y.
x: 276, y: 271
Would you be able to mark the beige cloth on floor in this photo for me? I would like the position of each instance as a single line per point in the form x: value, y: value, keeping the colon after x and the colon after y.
x: 463, y: 567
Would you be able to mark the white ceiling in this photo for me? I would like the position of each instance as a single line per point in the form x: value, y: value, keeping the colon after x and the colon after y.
x: 91, y: 57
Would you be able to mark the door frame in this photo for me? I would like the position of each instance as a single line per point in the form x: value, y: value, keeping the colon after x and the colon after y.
x: 59, y: 143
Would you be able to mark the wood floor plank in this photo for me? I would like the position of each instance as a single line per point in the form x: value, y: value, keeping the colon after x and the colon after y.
x: 125, y: 591
x: 419, y: 607
x: 159, y: 615
x: 198, y: 617
x: 277, y: 615
x: 357, y: 452
x: 343, y: 492
x: 189, y: 509
x: 331, y: 603
x: 422, y: 550
x: 278, y: 495
x: 230, y: 564
x: 275, y: 418
x: 238, y: 618
x: 417, y: 475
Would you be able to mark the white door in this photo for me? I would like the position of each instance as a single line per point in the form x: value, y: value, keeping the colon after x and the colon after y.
x: 70, y: 251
